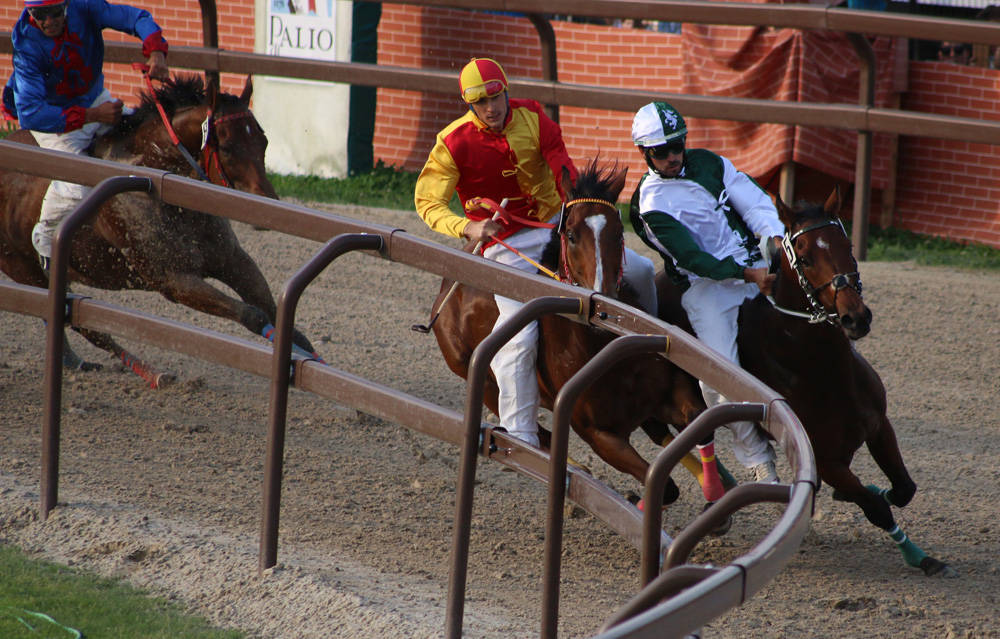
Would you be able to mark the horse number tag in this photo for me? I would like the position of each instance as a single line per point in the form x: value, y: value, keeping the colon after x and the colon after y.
x: 204, y: 130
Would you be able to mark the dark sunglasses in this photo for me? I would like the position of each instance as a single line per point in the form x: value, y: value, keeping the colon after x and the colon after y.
x: 41, y: 14
x: 662, y: 151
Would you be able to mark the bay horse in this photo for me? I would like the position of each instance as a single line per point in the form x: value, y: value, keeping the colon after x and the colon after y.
x: 648, y: 392
x: 799, y: 342
x: 138, y: 243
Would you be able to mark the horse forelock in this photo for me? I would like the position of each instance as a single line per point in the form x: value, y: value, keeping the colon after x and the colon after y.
x: 596, y: 181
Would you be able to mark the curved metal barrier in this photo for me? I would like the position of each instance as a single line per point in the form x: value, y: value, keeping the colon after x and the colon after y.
x: 675, y: 603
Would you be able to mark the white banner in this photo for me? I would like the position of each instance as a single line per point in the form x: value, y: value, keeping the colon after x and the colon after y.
x: 302, y: 29
x: 306, y: 121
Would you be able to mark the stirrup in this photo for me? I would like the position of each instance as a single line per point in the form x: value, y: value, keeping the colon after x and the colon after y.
x: 45, y: 263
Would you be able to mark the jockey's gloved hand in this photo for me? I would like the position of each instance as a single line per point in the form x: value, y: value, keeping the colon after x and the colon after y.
x: 158, y: 69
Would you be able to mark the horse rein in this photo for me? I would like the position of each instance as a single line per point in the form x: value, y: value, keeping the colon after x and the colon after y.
x: 209, y: 141
x: 139, y: 66
x: 505, y: 215
x: 839, y: 281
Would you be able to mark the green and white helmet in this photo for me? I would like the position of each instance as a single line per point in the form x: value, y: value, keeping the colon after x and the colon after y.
x: 657, y: 123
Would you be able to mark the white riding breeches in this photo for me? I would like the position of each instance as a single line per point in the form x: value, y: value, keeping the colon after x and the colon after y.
x: 713, y: 307
x: 640, y: 273
x: 62, y: 197
x: 514, y: 363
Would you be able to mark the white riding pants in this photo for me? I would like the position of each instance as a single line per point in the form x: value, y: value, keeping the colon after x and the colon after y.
x: 713, y: 307
x: 62, y: 197
x: 514, y: 364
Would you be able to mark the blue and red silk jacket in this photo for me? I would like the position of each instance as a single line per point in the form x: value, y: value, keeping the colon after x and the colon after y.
x: 56, y: 79
x: 523, y: 163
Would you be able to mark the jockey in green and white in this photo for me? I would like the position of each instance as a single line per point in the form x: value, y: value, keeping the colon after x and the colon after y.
x: 703, y: 216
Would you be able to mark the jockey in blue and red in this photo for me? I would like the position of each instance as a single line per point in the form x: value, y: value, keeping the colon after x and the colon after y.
x: 57, y: 89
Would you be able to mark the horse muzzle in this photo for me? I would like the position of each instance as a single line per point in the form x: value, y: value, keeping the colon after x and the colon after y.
x: 857, y: 323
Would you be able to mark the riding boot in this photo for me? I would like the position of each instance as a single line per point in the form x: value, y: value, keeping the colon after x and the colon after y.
x: 46, y: 262
x: 711, y: 486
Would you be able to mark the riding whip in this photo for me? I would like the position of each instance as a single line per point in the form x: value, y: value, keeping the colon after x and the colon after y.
x: 420, y: 328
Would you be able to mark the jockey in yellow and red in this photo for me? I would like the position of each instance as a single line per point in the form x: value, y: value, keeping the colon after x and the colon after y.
x: 505, y: 148
x: 519, y: 157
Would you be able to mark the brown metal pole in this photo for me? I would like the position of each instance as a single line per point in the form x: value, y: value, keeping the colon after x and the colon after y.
x: 478, y: 367
x: 57, y: 324
x: 210, y: 32
x: 550, y: 66
x: 617, y: 350
x: 280, y: 376
x: 659, y: 470
x: 863, y: 161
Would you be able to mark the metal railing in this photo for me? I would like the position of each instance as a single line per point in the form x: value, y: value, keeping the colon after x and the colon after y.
x: 580, y: 305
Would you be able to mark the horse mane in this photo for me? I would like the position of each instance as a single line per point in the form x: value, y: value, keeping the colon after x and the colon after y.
x: 178, y: 92
x: 593, y: 181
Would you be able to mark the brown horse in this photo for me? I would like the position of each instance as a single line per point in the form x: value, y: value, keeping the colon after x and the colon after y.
x: 799, y: 343
x: 649, y: 392
x: 138, y: 243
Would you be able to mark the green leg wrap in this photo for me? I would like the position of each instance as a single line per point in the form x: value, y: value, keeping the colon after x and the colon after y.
x: 879, y: 492
x: 912, y: 554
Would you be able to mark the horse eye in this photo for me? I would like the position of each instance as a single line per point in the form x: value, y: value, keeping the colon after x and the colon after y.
x: 571, y: 236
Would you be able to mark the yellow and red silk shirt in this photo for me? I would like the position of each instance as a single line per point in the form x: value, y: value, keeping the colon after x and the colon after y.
x: 523, y: 163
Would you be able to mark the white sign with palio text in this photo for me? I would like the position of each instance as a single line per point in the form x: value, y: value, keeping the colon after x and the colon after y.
x: 302, y: 29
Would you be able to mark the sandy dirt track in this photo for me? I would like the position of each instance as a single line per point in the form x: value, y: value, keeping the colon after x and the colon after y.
x: 163, y: 487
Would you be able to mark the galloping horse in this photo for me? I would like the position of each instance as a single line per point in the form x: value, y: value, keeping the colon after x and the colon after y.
x: 799, y: 343
x: 136, y: 242
x: 650, y: 391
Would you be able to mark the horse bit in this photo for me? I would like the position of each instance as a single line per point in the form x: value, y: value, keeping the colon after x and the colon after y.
x: 839, y: 281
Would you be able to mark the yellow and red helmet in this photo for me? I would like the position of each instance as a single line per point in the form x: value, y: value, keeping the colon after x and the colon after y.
x: 482, y: 78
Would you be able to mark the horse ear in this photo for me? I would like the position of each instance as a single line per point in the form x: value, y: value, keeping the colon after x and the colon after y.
x: 833, y: 203
x: 785, y: 214
x: 211, y: 92
x: 616, y: 186
x: 247, y: 92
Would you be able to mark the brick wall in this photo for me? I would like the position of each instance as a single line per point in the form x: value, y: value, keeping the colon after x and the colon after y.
x: 943, y: 188
x: 951, y: 188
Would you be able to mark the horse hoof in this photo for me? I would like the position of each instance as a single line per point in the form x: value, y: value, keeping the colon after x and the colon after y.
x: 934, y: 568
x: 162, y: 380
x: 722, y: 528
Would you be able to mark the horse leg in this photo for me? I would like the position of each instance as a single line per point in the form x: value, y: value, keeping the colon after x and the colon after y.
x: 194, y: 292
x: 618, y: 452
x: 154, y: 378
x: 885, y: 451
x: 242, y: 274
x: 874, y: 502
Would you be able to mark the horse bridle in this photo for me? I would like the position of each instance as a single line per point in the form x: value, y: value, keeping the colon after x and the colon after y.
x: 210, y: 142
x: 562, y: 238
x: 838, y: 282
